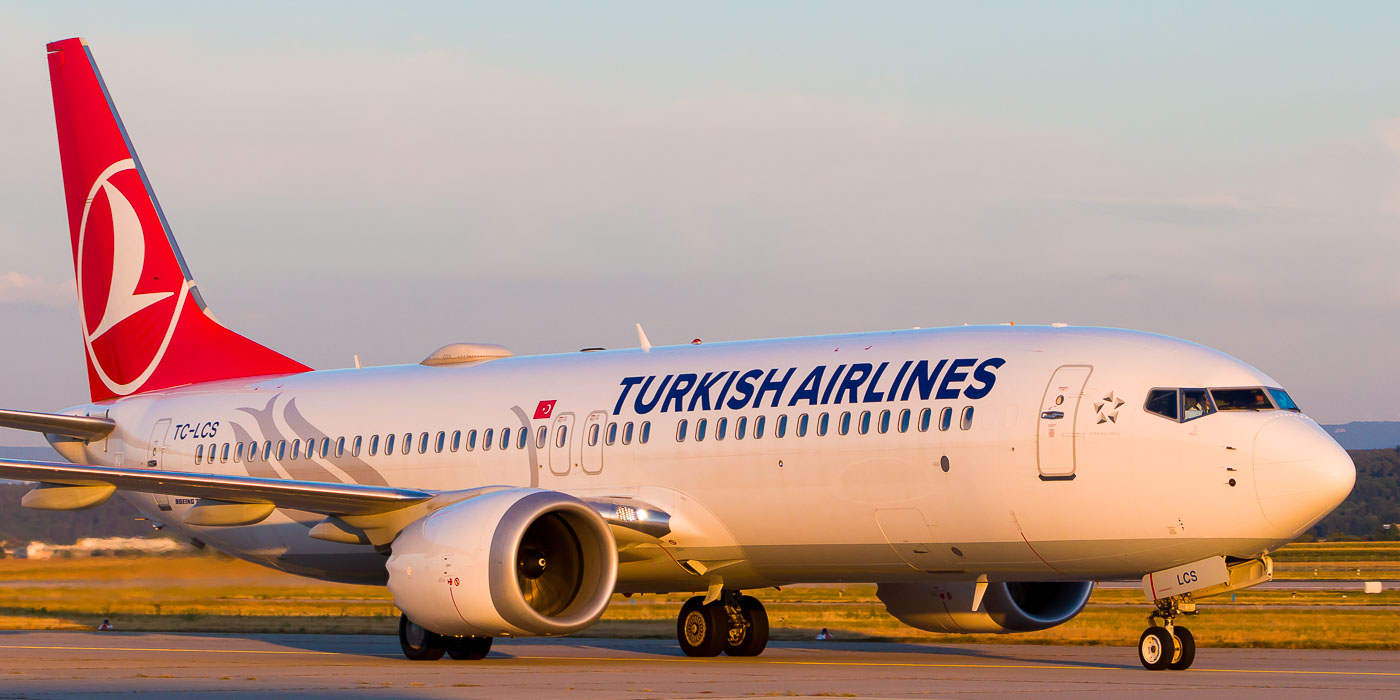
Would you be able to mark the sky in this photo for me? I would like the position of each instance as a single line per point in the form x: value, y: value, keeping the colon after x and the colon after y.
x: 384, y: 178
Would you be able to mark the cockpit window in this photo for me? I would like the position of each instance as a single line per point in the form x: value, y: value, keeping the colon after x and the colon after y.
x: 1182, y: 405
x: 1194, y: 404
x: 1249, y: 399
x: 1162, y: 402
x: 1283, y: 400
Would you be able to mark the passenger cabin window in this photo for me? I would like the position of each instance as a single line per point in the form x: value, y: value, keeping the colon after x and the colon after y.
x: 441, y: 442
x: 884, y: 422
x: 296, y: 449
x: 646, y: 432
x: 904, y: 420
x: 355, y: 446
x: 238, y: 453
x: 721, y: 427
x: 422, y: 443
x: 593, y: 431
x: 223, y: 457
x: 740, y: 426
x: 408, y: 442
x: 925, y: 419
x: 845, y: 425
x: 373, y: 445
x: 561, y: 437
x: 966, y: 418
x: 325, y: 447
x: 780, y: 428
x: 505, y: 438
x: 456, y: 440
x: 388, y: 444
x: 339, y: 447
x: 700, y: 425
x: 680, y: 430
x: 521, y: 437
x: 823, y: 423
x: 802, y: 425
x: 281, y: 450
x: 758, y: 427
x: 540, y: 436
x: 612, y: 434
x: 471, y: 440
x: 945, y: 419
x: 267, y: 451
x: 864, y: 422
x: 489, y: 433
x: 627, y: 433
x: 198, y: 453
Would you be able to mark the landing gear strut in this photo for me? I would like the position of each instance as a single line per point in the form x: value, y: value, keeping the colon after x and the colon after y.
x: 736, y: 625
x: 420, y: 644
x: 1168, y: 645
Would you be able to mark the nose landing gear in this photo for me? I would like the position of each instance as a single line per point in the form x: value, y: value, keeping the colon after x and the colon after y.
x: 735, y: 624
x: 1168, y: 645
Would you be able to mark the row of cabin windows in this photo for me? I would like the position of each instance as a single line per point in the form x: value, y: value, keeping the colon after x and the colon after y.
x: 407, y: 443
x: 863, y: 424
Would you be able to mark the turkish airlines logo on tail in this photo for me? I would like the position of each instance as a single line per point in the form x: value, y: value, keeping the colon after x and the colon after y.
x: 123, y: 280
x: 544, y: 410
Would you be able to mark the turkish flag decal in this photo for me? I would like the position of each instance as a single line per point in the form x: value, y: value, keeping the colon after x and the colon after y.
x: 544, y: 410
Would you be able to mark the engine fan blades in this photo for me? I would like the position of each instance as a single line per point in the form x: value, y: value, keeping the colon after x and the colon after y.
x: 549, y: 565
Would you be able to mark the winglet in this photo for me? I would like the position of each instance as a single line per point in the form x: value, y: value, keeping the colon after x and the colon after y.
x: 642, y: 338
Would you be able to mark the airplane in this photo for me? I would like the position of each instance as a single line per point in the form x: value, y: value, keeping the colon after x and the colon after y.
x: 983, y: 476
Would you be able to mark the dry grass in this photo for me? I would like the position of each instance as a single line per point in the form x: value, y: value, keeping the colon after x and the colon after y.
x: 217, y: 594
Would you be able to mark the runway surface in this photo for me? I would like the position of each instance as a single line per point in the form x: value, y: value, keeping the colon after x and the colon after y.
x: 89, y: 664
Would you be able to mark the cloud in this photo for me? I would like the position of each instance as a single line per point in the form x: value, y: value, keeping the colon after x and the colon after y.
x: 19, y: 288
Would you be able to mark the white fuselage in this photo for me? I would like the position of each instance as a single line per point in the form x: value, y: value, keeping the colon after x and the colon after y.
x: 1046, y: 481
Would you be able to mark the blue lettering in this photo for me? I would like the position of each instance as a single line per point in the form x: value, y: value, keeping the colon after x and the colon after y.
x: 955, y: 374
x: 775, y: 387
x: 831, y: 384
x: 719, y: 402
x: 925, y: 379
x: 702, y: 390
x: 851, y: 384
x: 641, y: 405
x: 745, y: 389
x: 683, y: 384
x: 899, y: 377
x: 809, y: 387
x: 983, y: 374
x: 870, y: 394
x: 627, y: 384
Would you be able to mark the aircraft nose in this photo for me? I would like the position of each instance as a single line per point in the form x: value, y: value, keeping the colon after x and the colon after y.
x: 1300, y: 472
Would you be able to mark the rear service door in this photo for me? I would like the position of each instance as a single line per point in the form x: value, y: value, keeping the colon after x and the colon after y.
x: 592, y: 458
x: 1059, y: 409
x: 155, y: 457
x: 560, y: 438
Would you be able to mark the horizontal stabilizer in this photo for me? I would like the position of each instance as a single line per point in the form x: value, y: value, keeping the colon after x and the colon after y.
x: 80, y: 427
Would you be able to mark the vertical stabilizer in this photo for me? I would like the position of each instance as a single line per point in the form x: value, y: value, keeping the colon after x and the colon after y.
x: 144, y: 324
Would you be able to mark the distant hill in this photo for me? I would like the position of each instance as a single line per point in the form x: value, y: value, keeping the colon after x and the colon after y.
x: 1366, y: 434
x: 20, y: 525
x: 1374, y: 501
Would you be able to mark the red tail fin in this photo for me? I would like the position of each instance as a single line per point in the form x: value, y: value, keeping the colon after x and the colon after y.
x: 144, y: 323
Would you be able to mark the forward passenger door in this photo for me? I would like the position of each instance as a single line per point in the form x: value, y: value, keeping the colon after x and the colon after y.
x: 1057, y: 431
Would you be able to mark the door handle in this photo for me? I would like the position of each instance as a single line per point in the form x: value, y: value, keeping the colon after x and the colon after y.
x: 1052, y: 415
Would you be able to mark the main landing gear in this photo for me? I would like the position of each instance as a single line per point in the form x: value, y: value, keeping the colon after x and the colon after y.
x: 419, y: 644
x: 736, y: 625
x: 1168, y: 645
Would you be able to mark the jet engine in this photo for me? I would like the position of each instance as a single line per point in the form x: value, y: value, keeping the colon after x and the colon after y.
x: 1006, y: 607
x: 516, y: 562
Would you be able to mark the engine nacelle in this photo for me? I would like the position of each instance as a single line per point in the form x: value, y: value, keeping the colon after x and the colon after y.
x: 1006, y: 607
x: 517, y: 562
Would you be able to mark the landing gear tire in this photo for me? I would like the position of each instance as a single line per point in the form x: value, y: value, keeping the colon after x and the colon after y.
x: 1156, y: 648
x: 419, y: 644
x: 1185, y: 649
x: 702, y: 629
x: 467, y: 648
x: 752, y: 638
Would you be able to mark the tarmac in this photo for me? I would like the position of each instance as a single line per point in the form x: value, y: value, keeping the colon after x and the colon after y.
x: 103, y: 664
